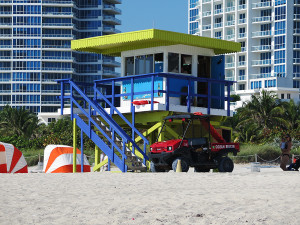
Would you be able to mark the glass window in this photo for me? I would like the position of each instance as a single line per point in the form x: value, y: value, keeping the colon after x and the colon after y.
x: 173, y: 62
x: 129, y: 66
x: 159, y: 63
x: 186, y: 64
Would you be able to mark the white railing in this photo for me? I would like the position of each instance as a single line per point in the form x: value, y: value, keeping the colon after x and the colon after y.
x: 262, y: 19
x: 242, y: 35
x: 206, y: 27
x: 229, y: 65
x: 207, y: 13
x: 241, y: 7
x: 242, y: 77
x: 230, y: 9
x: 261, y: 33
x: 242, y: 21
x: 230, y: 36
x: 261, y: 4
x: 242, y: 63
x: 261, y: 62
x: 259, y: 76
x: 217, y: 25
x: 218, y: 11
x: 230, y: 23
x: 261, y: 48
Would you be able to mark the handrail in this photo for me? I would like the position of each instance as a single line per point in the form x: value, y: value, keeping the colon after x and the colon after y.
x: 103, y: 114
x: 121, y: 115
x: 189, y: 93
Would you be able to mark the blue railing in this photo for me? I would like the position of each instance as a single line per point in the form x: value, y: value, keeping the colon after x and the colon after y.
x: 186, y: 81
x: 91, y: 108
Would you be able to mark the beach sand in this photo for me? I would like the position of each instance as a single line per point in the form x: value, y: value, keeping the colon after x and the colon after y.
x: 242, y: 197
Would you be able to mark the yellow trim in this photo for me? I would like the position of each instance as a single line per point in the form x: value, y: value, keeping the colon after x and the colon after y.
x: 116, y: 43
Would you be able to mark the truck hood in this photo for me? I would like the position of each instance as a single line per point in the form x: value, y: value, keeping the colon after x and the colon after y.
x: 167, y: 146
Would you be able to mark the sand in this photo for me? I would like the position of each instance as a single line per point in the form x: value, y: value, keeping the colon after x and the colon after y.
x: 242, y: 197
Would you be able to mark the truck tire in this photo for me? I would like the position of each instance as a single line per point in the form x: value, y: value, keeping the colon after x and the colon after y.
x: 184, y: 165
x: 155, y: 169
x: 225, y: 165
x: 201, y: 170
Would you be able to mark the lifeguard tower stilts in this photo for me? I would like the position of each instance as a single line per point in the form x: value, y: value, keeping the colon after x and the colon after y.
x: 162, y: 73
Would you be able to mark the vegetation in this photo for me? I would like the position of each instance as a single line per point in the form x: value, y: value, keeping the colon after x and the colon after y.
x: 264, y: 118
x: 22, y: 129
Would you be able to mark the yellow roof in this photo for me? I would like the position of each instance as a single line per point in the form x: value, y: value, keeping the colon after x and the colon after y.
x: 116, y: 43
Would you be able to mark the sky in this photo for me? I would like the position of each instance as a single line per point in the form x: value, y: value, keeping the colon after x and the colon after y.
x: 169, y: 15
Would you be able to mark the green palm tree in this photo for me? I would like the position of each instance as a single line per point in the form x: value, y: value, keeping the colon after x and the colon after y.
x: 292, y: 114
x: 261, y: 113
x: 17, y: 121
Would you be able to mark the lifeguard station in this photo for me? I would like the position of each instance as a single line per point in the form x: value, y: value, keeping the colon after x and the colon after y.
x: 163, y: 73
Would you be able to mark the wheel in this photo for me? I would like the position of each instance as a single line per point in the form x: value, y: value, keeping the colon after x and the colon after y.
x: 184, y: 165
x: 225, y: 165
x: 201, y: 170
x: 155, y: 169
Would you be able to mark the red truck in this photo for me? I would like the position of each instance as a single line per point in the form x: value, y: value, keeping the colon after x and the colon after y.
x: 195, y: 152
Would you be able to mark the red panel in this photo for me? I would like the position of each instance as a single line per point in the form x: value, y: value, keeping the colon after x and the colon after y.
x: 2, y: 148
x: 57, y: 152
x: 15, y: 159
x: 3, y: 168
x: 69, y: 169
x: 23, y: 170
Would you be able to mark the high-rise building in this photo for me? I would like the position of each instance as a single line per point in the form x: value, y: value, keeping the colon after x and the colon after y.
x: 35, y: 48
x: 269, y: 33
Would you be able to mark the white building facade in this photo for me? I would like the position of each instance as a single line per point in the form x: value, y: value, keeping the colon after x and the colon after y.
x: 269, y: 33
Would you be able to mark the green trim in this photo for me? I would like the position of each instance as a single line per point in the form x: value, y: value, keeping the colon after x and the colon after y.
x: 116, y: 43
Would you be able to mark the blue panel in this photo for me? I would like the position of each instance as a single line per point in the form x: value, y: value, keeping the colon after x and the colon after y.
x: 218, y: 73
x: 141, y: 85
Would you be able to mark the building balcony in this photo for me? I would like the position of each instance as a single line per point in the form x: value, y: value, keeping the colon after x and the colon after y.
x: 262, y: 19
x: 243, y: 49
x: 218, y: 11
x: 111, y: 9
x: 111, y: 20
x: 218, y: 25
x: 261, y: 34
x: 51, y: 102
x: 230, y: 23
x: 3, y: 13
x: 57, y: 46
x: 55, y: 58
x: 296, y: 2
x: 229, y: 78
x: 111, y: 62
x: 60, y: 25
x: 5, y: 69
x: 230, y: 9
x: 206, y: 1
x: 296, y: 16
x: 220, y: 37
x: 58, y: 36
x: 230, y: 37
x: 296, y: 61
x: 58, y: 14
x: 296, y: 45
x: 5, y: 46
x: 297, y: 31
x: 114, y: 1
x: 242, y: 21
x: 206, y: 14
x: 3, y: 2
x: 242, y: 64
x: 260, y: 76
x: 110, y: 73
x: 111, y: 30
x: 242, y: 7
x: 261, y: 48
x: 261, y: 62
x: 242, y: 35
x: 229, y: 65
x: 55, y: 69
x: 206, y: 27
x: 262, y: 5
x: 296, y: 76
x: 242, y: 78
x: 57, y: 2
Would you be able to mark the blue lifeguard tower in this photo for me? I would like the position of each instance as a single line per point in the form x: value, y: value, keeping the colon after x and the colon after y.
x: 162, y: 73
